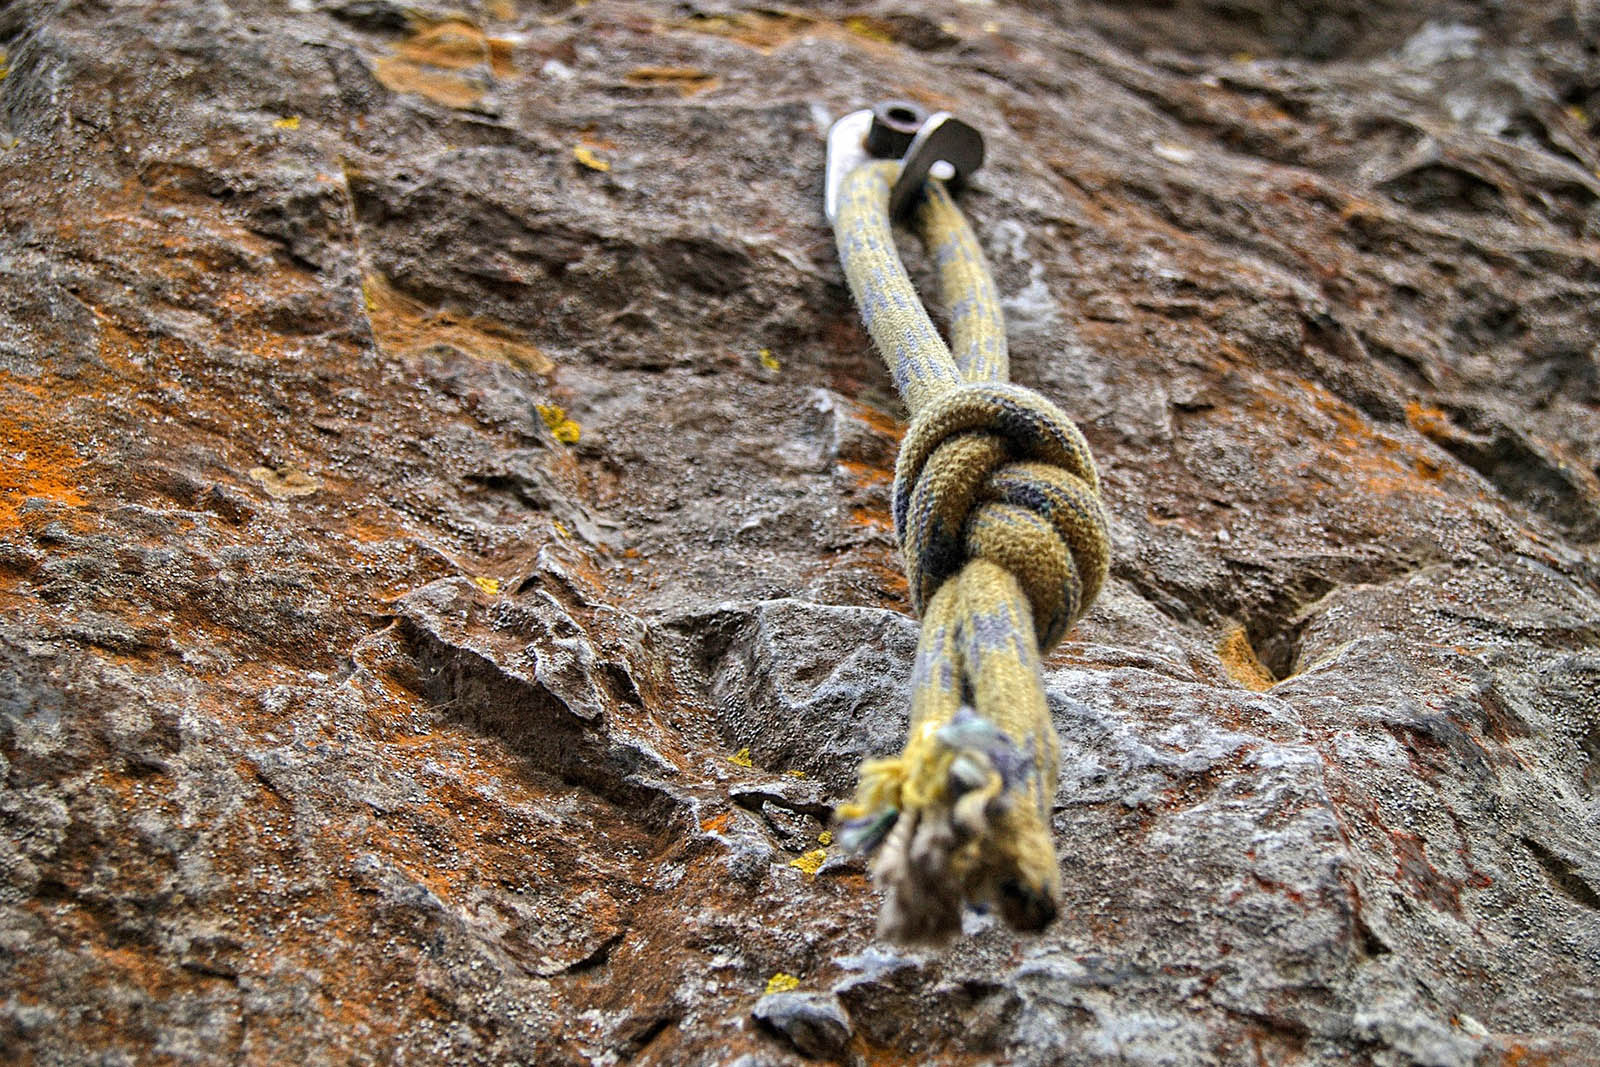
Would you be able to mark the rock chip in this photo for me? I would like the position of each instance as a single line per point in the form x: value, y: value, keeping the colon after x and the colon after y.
x: 814, y: 1023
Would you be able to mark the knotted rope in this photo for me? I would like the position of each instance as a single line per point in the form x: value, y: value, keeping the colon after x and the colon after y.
x: 997, y: 508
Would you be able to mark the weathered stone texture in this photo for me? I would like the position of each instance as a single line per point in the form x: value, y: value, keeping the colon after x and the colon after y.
x: 446, y: 580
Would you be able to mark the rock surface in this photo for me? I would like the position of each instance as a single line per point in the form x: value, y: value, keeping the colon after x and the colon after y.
x: 446, y: 575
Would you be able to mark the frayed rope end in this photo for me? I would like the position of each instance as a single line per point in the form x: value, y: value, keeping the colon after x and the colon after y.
x: 957, y: 819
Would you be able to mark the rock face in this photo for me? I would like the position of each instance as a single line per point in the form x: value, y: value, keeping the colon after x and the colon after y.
x: 447, y: 577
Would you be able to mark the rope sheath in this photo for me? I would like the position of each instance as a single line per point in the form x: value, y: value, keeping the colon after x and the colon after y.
x: 997, y: 509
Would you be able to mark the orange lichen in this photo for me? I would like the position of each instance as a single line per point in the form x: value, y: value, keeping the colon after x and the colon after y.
x: 34, y: 465
x: 367, y: 531
x: 764, y: 31
x: 871, y: 518
x: 404, y: 76
x: 686, y: 80
x: 884, y: 424
x: 866, y: 475
x: 457, y: 44
x: 1429, y: 422
x: 871, y: 1054
x: 1428, y: 468
x: 767, y: 32
x: 405, y: 327
x: 283, y: 483
x: 450, y: 61
x: 1239, y: 657
x: 717, y: 823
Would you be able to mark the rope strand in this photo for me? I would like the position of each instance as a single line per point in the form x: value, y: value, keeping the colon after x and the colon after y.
x: 997, y: 509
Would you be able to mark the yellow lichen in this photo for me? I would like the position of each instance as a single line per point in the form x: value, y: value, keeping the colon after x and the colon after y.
x: 741, y: 758
x: 782, y: 983
x: 488, y: 585
x: 811, y: 861
x: 825, y: 838
x: 768, y: 360
x: 290, y: 122
x: 871, y: 29
x: 794, y: 774
x: 564, y: 429
x: 585, y: 155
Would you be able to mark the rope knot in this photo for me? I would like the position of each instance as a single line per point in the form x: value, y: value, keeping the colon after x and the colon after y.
x: 994, y: 471
x: 998, y: 512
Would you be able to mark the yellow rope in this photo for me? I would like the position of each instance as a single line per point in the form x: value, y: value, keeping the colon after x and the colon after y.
x: 997, y: 507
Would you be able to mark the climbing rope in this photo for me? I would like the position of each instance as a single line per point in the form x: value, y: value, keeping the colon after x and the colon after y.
x: 997, y: 510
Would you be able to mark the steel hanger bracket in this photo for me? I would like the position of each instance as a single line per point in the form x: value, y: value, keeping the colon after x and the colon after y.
x: 938, y: 145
